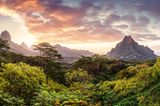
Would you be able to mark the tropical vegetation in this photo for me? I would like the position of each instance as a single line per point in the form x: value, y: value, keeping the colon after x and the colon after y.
x: 91, y: 81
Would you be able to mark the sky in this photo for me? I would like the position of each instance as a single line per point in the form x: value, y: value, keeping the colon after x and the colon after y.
x: 94, y: 25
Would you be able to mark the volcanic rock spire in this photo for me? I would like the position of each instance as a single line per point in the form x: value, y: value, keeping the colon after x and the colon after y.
x: 128, y: 49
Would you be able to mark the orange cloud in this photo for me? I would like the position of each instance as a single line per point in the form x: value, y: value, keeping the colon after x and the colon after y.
x: 54, y: 21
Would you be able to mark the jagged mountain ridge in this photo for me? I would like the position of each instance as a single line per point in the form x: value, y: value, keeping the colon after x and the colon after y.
x: 130, y: 50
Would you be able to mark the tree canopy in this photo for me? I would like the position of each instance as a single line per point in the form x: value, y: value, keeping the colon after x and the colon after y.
x: 47, y: 51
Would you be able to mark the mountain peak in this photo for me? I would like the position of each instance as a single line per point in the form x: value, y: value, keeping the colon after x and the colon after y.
x: 5, y: 35
x: 24, y: 45
x: 128, y: 39
x: 129, y: 50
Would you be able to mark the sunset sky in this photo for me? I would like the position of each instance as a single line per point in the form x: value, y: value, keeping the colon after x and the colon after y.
x: 95, y: 25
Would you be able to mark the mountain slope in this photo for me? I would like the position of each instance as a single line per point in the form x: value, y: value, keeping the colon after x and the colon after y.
x: 71, y: 55
x: 14, y: 47
x: 130, y: 50
x: 67, y: 52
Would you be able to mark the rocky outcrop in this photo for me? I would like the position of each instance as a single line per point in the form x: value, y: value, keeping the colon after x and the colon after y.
x: 5, y: 35
x: 130, y: 50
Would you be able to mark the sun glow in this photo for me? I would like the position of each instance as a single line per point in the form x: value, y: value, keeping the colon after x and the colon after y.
x: 6, y: 12
x: 16, y: 26
x: 100, y: 48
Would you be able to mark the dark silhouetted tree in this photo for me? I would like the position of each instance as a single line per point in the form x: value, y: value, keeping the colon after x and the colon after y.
x: 47, y: 51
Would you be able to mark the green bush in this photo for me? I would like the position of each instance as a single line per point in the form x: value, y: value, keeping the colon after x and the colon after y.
x: 21, y: 80
x: 125, y: 88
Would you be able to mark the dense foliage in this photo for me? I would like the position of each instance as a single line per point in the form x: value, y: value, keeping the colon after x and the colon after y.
x: 100, y: 67
x: 91, y: 81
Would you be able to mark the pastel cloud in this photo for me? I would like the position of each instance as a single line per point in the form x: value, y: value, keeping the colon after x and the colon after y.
x: 52, y: 19
x: 79, y: 21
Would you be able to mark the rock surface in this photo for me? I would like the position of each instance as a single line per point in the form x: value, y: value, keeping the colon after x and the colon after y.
x: 130, y: 50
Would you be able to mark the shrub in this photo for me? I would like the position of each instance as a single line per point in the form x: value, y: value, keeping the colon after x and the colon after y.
x: 22, y: 80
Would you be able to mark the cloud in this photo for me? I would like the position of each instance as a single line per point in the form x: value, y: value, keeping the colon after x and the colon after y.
x: 85, y: 20
x: 147, y: 37
x: 150, y: 6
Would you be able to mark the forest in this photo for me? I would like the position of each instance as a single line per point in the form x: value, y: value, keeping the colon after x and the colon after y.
x: 91, y: 81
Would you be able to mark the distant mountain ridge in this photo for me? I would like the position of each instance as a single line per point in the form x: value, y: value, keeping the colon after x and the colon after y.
x: 130, y: 50
x: 72, y: 55
x: 67, y: 53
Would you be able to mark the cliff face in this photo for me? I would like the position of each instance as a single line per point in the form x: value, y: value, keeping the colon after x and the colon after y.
x: 130, y: 50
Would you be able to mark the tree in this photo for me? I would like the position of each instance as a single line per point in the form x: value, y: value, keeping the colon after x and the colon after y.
x: 48, y: 61
x: 47, y: 51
